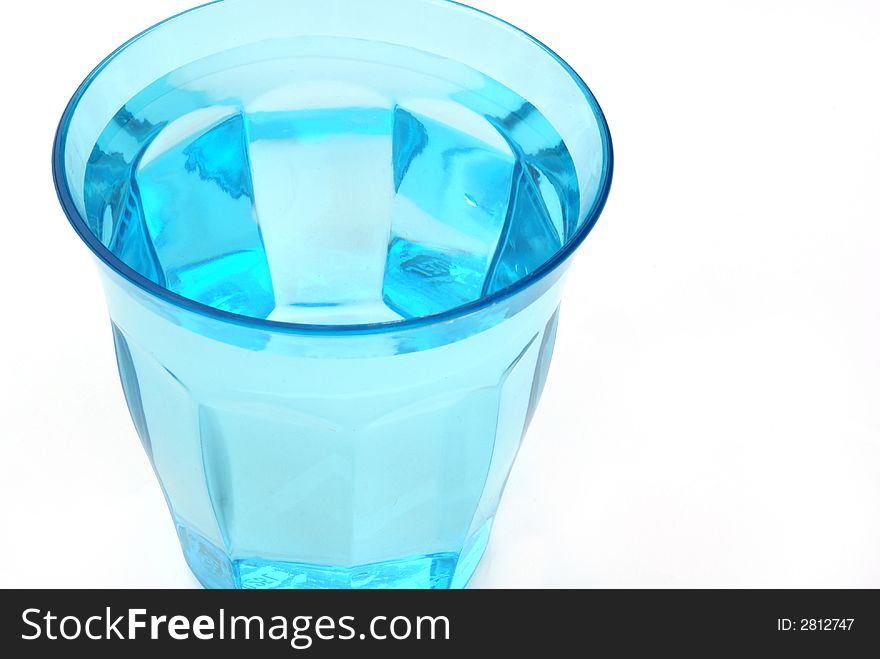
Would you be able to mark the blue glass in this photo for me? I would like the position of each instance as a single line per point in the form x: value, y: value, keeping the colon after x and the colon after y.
x: 333, y: 236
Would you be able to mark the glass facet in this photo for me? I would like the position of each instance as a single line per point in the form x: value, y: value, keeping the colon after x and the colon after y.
x: 333, y: 236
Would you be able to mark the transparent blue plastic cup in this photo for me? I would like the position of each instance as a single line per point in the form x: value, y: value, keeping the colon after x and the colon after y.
x: 333, y: 236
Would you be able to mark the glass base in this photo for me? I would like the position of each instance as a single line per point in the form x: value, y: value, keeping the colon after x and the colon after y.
x: 214, y: 569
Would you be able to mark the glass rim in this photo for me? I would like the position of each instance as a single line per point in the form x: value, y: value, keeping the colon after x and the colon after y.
x: 150, y: 287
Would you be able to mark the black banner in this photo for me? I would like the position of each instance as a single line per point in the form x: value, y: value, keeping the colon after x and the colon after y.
x: 427, y: 624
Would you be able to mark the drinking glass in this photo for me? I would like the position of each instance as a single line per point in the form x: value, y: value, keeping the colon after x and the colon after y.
x: 333, y: 236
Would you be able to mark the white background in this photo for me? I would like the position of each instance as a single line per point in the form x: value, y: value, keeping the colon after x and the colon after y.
x: 711, y: 418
